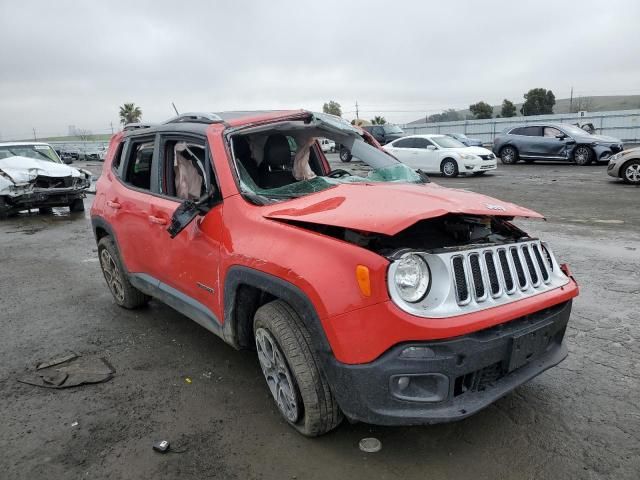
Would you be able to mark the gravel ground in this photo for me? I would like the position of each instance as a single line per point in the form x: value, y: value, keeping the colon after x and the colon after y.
x: 580, y: 420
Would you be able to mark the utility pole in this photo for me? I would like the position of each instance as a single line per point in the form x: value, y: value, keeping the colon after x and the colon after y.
x: 34, y: 134
x: 357, y: 111
x: 111, y: 123
x: 571, y: 102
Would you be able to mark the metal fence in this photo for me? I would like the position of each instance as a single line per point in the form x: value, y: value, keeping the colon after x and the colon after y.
x: 622, y: 124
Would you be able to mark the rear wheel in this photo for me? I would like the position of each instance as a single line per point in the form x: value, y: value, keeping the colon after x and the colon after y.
x: 292, y: 372
x: 630, y: 172
x: 345, y: 154
x: 508, y: 155
x: 125, y: 294
x: 582, y: 155
x: 449, y: 168
x: 77, y: 205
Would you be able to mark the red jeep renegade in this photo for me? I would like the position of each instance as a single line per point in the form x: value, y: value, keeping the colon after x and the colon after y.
x: 371, y: 294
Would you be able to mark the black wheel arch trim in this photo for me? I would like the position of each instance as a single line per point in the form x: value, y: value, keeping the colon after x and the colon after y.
x: 238, y: 275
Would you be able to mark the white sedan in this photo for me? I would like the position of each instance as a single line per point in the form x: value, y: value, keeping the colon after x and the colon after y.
x: 441, y: 154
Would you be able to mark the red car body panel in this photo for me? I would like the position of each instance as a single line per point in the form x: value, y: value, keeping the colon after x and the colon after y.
x: 389, y: 208
x: 235, y: 232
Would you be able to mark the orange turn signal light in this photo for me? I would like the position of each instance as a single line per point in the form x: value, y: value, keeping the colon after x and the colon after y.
x: 362, y: 275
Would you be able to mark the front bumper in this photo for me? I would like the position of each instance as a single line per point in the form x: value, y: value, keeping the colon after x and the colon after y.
x: 473, y: 167
x: 455, y: 377
x: 51, y: 197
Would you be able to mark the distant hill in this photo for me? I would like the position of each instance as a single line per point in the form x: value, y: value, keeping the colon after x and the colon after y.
x: 590, y: 104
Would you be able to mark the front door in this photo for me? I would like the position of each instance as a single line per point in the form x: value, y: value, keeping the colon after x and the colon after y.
x: 553, y: 143
x: 427, y: 155
x: 189, y: 264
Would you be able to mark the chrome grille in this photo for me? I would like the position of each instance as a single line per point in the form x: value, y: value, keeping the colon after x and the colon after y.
x: 481, y: 272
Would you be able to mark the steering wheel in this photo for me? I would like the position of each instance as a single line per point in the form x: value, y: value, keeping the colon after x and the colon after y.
x: 338, y: 173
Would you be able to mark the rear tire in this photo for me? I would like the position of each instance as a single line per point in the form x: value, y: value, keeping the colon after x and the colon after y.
x: 345, y: 155
x: 509, y: 155
x: 292, y: 371
x: 630, y: 172
x: 125, y: 294
x: 582, y: 155
x: 449, y: 168
x: 77, y: 205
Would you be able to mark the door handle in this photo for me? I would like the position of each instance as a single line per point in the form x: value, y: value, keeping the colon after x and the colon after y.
x: 157, y: 220
x: 114, y: 205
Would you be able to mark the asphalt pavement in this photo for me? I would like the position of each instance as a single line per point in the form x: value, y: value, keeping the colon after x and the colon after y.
x: 175, y: 381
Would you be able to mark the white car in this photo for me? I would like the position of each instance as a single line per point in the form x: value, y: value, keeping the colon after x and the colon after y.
x: 327, y: 145
x: 441, y: 154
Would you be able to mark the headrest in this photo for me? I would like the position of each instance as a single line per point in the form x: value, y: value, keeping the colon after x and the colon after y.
x: 276, y: 152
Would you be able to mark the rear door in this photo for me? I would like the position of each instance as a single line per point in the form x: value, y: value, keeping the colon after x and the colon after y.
x: 189, y: 263
x: 128, y: 202
x: 528, y: 141
x: 402, y: 149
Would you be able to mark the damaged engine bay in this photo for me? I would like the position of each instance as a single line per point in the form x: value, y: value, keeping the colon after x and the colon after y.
x: 435, y: 235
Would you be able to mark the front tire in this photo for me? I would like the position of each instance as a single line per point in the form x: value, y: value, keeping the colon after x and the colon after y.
x: 345, y: 155
x: 630, y: 172
x: 292, y: 372
x: 582, y: 155
x: 449, y: 168
x: 125, y: 294
x: 508, y: 155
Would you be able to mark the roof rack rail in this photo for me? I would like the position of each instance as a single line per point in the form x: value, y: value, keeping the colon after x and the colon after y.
x: 136, y: 125
x: 196, y: 117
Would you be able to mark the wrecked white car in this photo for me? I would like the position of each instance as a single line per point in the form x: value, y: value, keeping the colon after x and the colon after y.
x: 33, y: 176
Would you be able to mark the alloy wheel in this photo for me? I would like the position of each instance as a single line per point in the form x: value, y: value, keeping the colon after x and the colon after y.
x: 508, y: 155
x: 632, y: 173
x: 112, y: 274
x: 277, y: 373
x: 582, y: 156
x: 449, y: 168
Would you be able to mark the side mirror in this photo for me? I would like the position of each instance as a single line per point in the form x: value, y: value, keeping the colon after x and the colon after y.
x: 188, y: 210
x: 431, y: 147
x: 561, y: 136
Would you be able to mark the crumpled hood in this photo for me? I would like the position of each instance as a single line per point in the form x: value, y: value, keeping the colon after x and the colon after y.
x: 26, y: 169
x: 388, y: 208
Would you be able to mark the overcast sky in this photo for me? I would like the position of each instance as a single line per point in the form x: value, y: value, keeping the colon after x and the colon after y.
x: 73, y: 63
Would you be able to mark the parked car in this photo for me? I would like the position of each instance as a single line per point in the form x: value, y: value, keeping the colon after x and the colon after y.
x: 626, y: 165
x: 553, y: 141
x: 384, y: 133
x: 462, y: 138
x: 33, y: 176
x: 441, y: 154
x: 327, y: 145
x: 383, y: 298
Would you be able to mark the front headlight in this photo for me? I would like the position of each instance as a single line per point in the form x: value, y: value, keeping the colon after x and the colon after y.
x: 412, y: 278
x: 615, y: 157
x: 467, y: 156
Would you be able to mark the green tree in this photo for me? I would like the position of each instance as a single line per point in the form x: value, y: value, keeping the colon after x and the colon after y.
x: 538, y: 101
x: 129, y: 113
x: 332, y: 108
x: 508, y: 109
x: 481, y: 110
x: 448, y: 115
x: 378, y: 120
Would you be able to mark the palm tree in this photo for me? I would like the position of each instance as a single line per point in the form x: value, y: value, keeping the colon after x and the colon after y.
x: 129, y: 113
x: 377, y: 120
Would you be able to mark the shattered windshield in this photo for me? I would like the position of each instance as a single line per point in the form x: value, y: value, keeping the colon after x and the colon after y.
x: 39, y: 152
x: 281, y: 161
